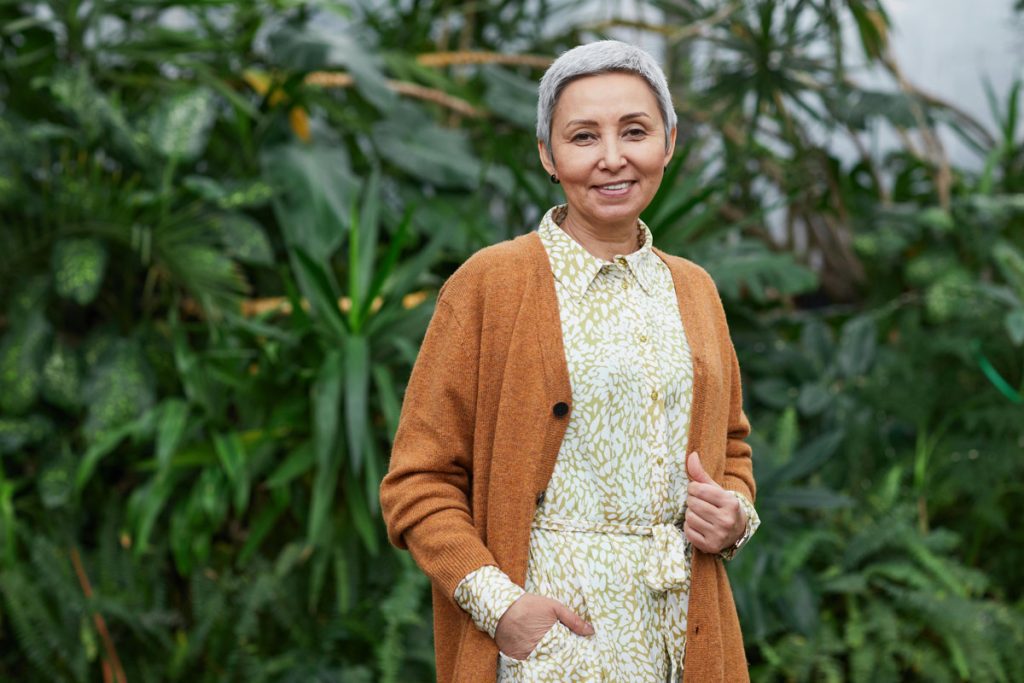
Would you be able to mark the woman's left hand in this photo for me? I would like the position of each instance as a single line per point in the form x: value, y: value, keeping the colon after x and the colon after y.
x: 714, y: 519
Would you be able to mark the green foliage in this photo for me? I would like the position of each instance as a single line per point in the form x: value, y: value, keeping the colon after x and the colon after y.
x: 216, y: 274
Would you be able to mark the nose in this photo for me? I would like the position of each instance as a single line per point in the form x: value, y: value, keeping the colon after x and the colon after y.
x: 612, y: 158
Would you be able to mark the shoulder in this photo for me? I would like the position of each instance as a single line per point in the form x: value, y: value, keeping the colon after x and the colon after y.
x: 496, y: 272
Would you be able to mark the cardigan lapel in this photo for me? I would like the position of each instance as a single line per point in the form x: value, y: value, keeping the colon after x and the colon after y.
x: 697, y: 338
x: 552, y: 352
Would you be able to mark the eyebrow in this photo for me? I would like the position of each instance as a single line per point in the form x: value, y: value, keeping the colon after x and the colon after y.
x: 624, y: 117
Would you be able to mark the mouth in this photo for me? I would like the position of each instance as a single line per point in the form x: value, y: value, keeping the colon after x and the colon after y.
x: 615, y: 189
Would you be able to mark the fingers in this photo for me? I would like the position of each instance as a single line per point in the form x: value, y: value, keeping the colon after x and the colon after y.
x: 575, y: 622
x: 695, y: 469
x: 699, y: 540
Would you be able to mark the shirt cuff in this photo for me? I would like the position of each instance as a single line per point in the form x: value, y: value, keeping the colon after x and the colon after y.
x: 486, y: 593
x: 753, y: 521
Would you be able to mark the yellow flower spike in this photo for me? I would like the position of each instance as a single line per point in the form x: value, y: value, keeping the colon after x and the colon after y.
x: 299, y: 120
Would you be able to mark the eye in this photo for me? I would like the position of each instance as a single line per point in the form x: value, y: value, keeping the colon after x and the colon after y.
x: 636, y: 132
x: 582, y: 136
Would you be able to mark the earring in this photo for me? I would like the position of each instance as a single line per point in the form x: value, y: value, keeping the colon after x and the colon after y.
x: 554, y: 179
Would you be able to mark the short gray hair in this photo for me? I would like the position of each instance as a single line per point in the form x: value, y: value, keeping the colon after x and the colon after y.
x: 604, y: 56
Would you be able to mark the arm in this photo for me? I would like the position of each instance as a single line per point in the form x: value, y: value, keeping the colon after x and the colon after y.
x: 425, y: 494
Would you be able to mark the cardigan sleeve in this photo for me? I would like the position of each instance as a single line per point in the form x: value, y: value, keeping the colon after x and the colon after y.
x: 425, y: 494
x: 739, y: 470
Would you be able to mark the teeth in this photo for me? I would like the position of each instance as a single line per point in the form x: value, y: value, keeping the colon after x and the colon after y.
x: 616, y: 186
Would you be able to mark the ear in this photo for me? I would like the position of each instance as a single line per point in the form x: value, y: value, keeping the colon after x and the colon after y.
x: 670, y: 150
x: 545, y: 159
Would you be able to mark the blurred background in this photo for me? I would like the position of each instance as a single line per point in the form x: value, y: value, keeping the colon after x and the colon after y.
x: 223, y: 226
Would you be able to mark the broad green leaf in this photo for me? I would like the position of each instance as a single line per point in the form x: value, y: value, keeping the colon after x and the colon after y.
x: 243, y: 239
x: 813, y: 399
x: 119, y: 389
x: 435, y: 155
x: 1014, y: 323
x: 510, y: 96
x: 62, y: 378
x: 314, y: 47
x: 180, y: 125
x: 857, y: 342
x: 17, y: 433
x: 78, y: 266
x: 21, y: 357
x: 314, y: 192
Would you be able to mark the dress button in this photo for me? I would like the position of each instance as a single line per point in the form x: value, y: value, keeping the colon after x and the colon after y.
x: 643, y: 337
x: 560, y: 409
x: 654, y: 394
x: 625, y: 284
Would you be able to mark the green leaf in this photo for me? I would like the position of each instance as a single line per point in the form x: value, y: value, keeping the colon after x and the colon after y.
x: 1015, y: 326
x: 174, y: 414
x: 298, y: 462
x: 263, y: 525
x: 78, y: 266
x: 62, y: 378
x: 20, y: 362
x: 119, y: 389
x: 357, y: 384
x: 326, y: 404
x: 857, y: 342
x: 17, y: 433
x: 813, y: 399
x: 319, y: 287
x: 314, y: 47
x: 244, y: 239
x: 315, y: 190
x: 510, y: 96
x: 108, y: 440
x: 180, y: 125
x: 434, y: 155
x: 231, y: 453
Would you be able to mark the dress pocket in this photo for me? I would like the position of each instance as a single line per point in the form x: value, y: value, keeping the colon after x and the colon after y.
x: 556, y: 659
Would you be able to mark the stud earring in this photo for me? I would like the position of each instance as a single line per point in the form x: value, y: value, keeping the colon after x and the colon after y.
x: 554, y: 179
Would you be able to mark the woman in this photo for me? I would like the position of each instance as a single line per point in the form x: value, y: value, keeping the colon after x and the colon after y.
x: 540, y: 474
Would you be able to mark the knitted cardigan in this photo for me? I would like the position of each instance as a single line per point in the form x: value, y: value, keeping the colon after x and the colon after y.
x: 481, y: 425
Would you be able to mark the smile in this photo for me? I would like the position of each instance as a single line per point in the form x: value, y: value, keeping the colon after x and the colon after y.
x: 615, y: 189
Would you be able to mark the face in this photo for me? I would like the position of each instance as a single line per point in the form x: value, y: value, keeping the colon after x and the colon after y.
x: 608, y: 144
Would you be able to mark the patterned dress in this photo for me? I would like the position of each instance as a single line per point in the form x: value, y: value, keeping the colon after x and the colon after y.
x: 606, y: 540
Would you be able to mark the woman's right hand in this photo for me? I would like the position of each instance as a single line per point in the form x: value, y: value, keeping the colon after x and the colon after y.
x: 528, y: 619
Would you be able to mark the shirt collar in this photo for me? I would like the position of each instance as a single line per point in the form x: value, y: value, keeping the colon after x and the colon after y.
x: 575, y: 267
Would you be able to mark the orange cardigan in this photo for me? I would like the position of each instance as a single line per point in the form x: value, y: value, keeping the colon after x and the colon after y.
x: 479, y: 433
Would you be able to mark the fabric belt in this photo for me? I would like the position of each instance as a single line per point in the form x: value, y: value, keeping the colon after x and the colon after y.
x: 665, y: 568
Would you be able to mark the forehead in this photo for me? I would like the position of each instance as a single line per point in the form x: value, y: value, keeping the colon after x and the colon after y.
x: 606, y: 96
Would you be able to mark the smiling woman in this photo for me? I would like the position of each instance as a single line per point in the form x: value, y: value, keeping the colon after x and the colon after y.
x: 608, y: 149
x: 545, y: 473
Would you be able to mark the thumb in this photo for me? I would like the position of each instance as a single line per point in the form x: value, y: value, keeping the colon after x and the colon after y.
x: 575, y: 622
x: 696, y: 470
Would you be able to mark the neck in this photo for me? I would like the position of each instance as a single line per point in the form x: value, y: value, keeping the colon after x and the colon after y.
x: 603, y: 240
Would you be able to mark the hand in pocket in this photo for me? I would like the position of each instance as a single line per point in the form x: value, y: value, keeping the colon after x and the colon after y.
x: 528, y: 619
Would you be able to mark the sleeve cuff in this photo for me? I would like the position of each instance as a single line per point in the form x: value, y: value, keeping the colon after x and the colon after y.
x: 486, y: 594
x: 753, y: 521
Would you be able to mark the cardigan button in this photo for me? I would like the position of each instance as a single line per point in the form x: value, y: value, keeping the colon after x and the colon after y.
x: 540, y: 498
x: 560, y: 409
